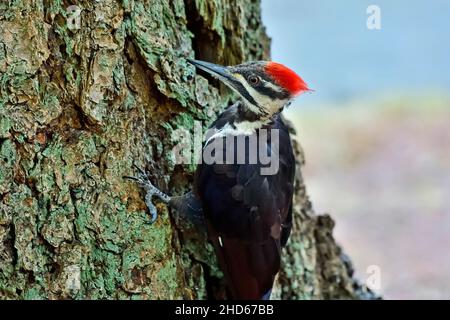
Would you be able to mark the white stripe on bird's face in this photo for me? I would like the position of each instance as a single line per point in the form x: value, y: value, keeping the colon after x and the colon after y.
x: 270, y: 85
x: 266, y: 103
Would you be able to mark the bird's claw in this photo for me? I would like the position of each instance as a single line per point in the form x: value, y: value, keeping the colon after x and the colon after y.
x: 143, y: 180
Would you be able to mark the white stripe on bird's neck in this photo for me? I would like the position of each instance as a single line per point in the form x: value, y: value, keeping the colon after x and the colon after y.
x: 243, y: 128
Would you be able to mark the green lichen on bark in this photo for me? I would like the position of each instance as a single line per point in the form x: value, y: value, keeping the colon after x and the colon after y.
x: 78, y: 105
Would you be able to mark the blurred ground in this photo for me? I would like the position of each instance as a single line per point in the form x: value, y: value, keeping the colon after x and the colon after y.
x: 383, y: 172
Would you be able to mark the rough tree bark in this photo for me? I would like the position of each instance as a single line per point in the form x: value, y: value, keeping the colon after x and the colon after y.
x: 80, y: 100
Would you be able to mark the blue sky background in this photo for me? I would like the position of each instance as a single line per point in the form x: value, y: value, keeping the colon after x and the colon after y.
x: 328, y: 44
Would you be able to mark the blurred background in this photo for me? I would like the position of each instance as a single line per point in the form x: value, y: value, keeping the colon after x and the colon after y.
x: 376, y: 131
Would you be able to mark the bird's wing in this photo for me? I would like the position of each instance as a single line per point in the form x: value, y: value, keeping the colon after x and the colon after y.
x: 286, y: 227
x: 245, y: 213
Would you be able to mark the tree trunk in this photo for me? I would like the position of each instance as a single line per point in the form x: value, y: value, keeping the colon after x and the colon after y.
x: 86, y: 89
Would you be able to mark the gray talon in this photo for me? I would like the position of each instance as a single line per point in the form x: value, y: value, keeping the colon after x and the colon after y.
x: 151, y: 207
x: 144, y: 182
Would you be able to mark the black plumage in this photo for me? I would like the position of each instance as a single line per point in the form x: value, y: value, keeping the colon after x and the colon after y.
x: 248, y: 215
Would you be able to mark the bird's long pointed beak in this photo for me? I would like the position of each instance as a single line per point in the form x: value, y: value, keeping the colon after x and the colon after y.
x: 215, y: 70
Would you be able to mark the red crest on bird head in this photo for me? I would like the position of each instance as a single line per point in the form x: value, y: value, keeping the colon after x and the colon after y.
x: 286, y: 78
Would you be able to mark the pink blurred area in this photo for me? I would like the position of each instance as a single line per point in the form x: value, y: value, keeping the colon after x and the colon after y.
x: 382, y: 170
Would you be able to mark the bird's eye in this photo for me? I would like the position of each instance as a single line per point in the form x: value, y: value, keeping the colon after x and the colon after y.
x: 253, y: 80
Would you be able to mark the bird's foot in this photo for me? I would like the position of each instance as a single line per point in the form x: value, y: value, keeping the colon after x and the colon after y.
x: 143, y: 180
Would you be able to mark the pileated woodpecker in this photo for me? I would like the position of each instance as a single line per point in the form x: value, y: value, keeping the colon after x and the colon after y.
x: 247, y: 213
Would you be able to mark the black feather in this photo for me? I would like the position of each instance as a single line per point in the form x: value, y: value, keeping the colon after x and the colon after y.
x: 250, y: 212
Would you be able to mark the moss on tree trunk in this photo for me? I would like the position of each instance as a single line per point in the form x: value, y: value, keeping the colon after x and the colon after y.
x: 85, y: 90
